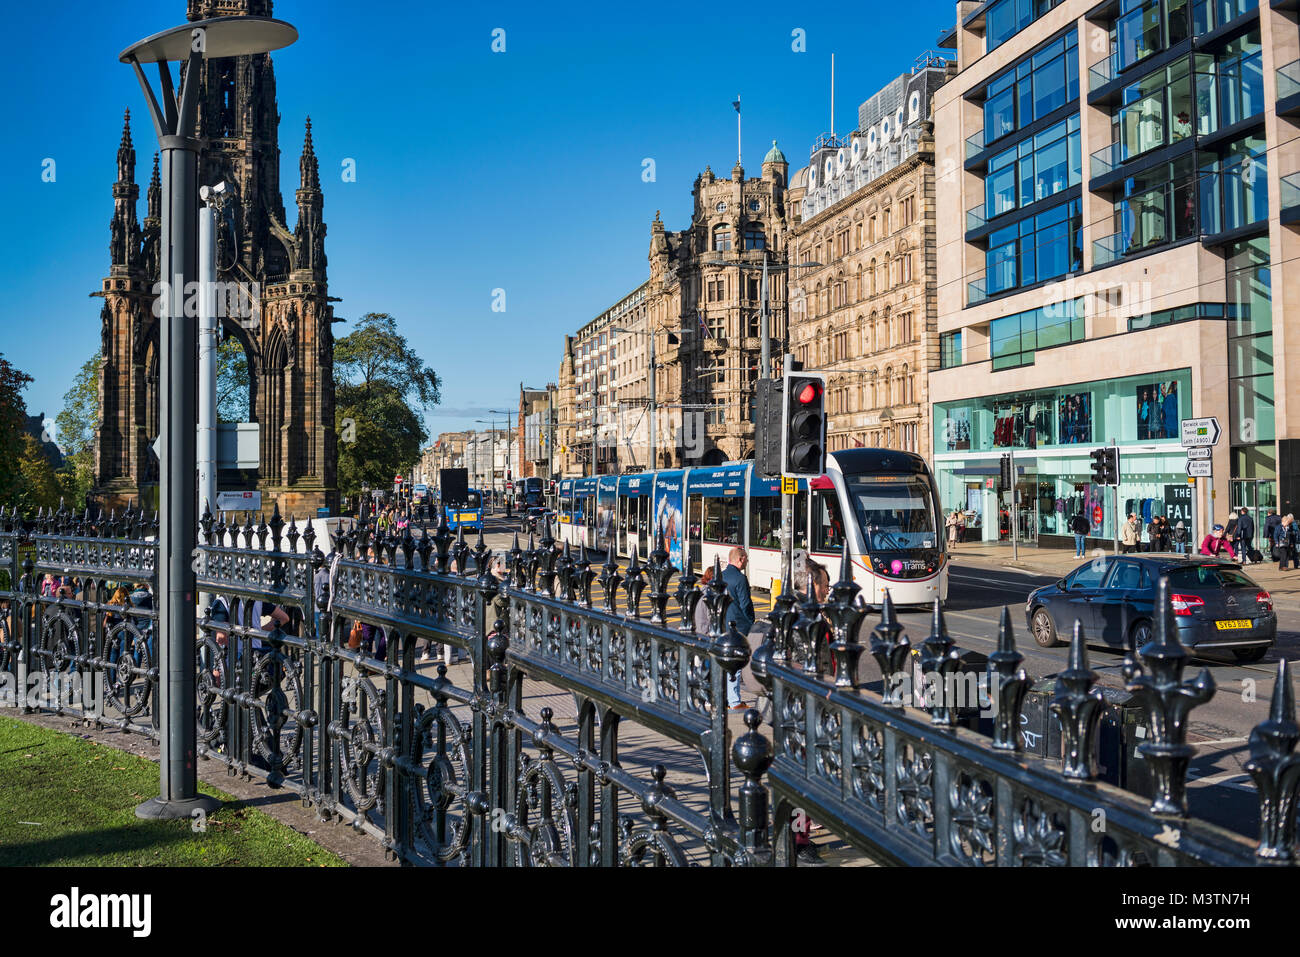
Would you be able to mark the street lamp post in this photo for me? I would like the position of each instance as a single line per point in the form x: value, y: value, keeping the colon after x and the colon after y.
x: 174, y: 121
x: 509, y: 467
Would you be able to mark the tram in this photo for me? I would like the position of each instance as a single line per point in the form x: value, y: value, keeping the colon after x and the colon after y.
x: 884, y: 501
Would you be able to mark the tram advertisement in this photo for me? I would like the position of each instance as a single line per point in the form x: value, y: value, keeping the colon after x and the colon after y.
x: 669, y: 524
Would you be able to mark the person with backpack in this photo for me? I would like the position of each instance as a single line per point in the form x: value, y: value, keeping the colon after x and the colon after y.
x: 1080, y: 526
x: 1180, y: 538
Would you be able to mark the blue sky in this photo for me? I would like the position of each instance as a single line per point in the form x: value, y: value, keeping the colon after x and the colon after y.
x: 475, y: 170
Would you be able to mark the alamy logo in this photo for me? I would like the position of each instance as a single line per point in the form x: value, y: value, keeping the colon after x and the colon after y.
x: 75, y: 910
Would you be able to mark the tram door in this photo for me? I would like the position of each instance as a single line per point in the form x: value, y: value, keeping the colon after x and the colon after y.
x: 695, y: 531
x: 642, y: 524
x: 625, y: 524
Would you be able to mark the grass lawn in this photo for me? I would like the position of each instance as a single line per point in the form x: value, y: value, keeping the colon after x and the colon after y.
x: 68, y: 801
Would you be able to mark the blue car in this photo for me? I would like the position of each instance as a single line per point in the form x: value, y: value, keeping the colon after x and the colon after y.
x: 1217, y: 607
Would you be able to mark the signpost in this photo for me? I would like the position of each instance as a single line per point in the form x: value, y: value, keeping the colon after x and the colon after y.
x: 239, y: 501
x: 1198, y: 434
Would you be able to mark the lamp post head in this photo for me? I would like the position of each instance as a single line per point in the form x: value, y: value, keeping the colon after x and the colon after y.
x: 215, y: 38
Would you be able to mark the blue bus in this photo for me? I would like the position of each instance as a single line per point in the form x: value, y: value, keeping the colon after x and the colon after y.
x: 883, y: 501
x: 468, y: 514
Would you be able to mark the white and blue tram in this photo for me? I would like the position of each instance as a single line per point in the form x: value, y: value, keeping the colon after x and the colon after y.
x: 894, y: 527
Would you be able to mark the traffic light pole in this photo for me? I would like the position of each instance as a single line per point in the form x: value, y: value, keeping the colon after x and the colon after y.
x: 1015, y: 510
x: 1115, y: 492
x: 787, y: 504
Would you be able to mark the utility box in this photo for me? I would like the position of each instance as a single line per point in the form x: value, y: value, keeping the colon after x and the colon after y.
x: 1121, y: 729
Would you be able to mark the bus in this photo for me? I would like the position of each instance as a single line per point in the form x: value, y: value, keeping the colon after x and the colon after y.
x: 885, y: 502
x: 529, y: 492
x: 467, y: 514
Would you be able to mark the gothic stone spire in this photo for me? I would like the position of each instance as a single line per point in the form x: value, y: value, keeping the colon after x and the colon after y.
x: 309, y: 234
x: 125, y: 231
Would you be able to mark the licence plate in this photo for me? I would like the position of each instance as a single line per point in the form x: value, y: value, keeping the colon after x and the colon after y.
x: 467, y: 517
x: 1232, y: 623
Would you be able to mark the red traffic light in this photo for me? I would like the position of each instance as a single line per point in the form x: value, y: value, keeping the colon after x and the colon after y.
x: 811, y: 392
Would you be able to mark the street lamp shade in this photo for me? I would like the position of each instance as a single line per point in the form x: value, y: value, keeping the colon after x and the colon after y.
x: 221, y: 37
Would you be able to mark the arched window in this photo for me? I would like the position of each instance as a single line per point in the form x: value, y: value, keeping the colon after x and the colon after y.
x: 888, y: 397
x: 861, y: 292
x: 873, y: 276
x: 885, y: 337
x: 875, y: 394
x: 886, y: 280
x: 722, y: 238
x: 906, y: 382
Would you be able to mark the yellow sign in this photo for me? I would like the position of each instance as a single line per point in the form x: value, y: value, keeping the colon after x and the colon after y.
x: 466, y: 517
x: 789, y: 486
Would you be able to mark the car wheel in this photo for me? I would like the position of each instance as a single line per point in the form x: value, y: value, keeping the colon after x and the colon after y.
x: 1044, y: 629
x: 1140, y: 633
x: 1248, y: 656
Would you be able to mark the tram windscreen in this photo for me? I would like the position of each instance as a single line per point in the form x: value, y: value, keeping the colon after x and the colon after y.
x: 893, y: 511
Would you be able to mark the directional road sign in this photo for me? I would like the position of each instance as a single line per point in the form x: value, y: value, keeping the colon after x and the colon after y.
x: 1202, y: 432
x: 1199, y: 468
x: 1199, y: 453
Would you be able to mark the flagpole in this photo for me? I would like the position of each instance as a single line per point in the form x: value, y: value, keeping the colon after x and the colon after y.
x: 738, y: 163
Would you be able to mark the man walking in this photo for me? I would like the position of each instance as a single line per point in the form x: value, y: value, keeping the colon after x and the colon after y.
x: 1245, y: 535
x: 1080, y: 526
x: 740, y: 613
x: 1129, y: 533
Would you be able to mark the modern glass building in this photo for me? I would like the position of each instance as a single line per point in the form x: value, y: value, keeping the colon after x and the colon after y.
x: 1118, y: 198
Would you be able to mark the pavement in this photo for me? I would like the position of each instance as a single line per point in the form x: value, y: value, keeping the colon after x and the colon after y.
x: 1058, y: 562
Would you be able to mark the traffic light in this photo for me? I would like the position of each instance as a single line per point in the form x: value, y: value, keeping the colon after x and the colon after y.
x: 1098, y: 457
x: 1005, y: 479
x: 803, y: 436
x: 768, y: 426
x: 1105, y: 466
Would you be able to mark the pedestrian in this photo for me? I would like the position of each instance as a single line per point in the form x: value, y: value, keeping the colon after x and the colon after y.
x: 1080, y: 526
x: 1129, y: 532
x: 739, y: 613
x: 1245, y: 535
x: 1180, y: 538
x: 1216, y: 543
x: 1284, y: 542
x: 702, y: 624
x: 1271, y: 521
x: 951, y: 522
x: 1153, y: 535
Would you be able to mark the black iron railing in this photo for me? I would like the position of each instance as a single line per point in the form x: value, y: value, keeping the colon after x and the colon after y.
x: 448, y: 774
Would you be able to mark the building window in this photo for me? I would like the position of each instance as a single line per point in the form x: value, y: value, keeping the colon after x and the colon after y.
x: 1006, y: 18
x: 755, y: 238
x: 905, y: 327
x: 908, y: 211
x: 888, y: 214
x: 1034, y: 250
x: 1158, y: 206
x: 1033, y: 88
x: 1015, y: 339
x: 950, y: 349
x: 722, y: 239
x: 1034, y: 169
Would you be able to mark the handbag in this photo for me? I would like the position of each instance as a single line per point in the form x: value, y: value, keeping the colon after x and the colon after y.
x: 354, y: 636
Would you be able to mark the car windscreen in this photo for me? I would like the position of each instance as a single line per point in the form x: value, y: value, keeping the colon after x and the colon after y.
x: 1208, y: 576
x: 893, y: 511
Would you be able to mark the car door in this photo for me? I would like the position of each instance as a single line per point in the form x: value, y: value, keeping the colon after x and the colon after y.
x: 1078, y: 598
x: 1113, y: 608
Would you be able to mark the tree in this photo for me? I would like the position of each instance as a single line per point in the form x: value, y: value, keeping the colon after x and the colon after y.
x: 377, y: 377
x: 76, y: 425
x: 13, y: 420
x: 232, y: 382
x: 40, y: 486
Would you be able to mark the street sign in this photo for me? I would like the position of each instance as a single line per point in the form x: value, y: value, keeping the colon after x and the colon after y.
x: 1199, y: 453
x: 239, y: 501
x: 1199, y: 468
x: 789, y: 485
x: 1204, y: 432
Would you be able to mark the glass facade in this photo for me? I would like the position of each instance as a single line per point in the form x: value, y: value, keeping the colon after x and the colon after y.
x: 1036, y: 249
x: 1051, y: 432
x: 1015, y: 339
x: 1006, y: 18
x: 1036, y: 168
x: 1032, y: 89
